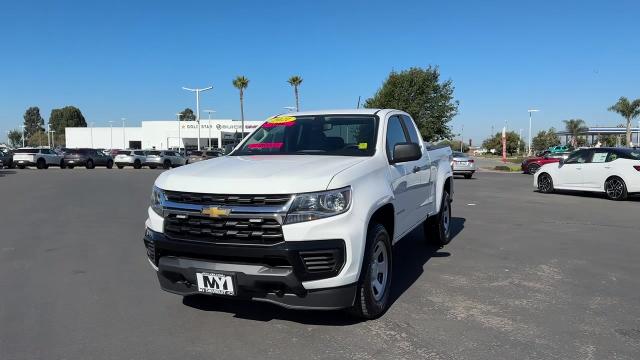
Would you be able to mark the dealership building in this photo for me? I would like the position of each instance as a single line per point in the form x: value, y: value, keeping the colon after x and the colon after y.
x: 160, y: 135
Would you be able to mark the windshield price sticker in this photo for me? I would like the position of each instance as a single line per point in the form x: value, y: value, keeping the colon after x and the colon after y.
x: 269, y: 145
x: 363, y: 146
x: 280, y: 121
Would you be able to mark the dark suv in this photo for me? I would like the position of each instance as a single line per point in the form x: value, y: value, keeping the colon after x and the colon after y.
x: 89, y: 158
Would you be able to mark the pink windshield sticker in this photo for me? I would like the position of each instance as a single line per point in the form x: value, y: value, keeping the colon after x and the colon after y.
x: 270, y: 145
x: 270, y: 125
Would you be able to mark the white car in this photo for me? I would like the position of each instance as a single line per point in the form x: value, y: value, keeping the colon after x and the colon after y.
x: 133, y: 158
x: 303, y: 213
x: 164, y: 158
x: 42, y: 158
x: 613, y: 171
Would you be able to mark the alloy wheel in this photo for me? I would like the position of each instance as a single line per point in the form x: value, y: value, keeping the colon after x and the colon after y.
x: 614, y: 188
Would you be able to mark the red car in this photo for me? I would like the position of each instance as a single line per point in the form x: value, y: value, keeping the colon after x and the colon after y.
x: 531, y: 165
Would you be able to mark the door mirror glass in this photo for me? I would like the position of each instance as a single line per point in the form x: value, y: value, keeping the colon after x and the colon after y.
x: 403, y: 152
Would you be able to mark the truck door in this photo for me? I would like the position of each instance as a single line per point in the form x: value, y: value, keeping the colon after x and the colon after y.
x: 423, y: 193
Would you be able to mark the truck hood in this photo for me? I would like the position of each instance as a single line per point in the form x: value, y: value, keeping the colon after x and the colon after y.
x: 261, y: 174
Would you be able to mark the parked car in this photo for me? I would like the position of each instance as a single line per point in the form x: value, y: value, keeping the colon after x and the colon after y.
x: 133, y: 158
x: 463, y: 165
x: 42, y: 158
x: 613, y: 171
x: 6, y: 156
x: 196, y: 156
x: 559, y: 149
x: 89, y: 158
x: 531, y: 165
x: 303, y: 213
x: 165, y: 158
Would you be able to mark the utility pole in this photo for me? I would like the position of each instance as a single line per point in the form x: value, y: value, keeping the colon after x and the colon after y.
x: 209, y: 112
x: 23, y: 127
x: 198, y: 91
x: 462, y: 138
x: 53, y: 139
x: 49, y: 135
x: 179, y: 137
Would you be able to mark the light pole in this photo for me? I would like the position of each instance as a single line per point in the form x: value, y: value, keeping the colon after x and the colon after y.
x: 48, y: 135
x: 209, y: 112
x: 462, y: 138
x: 198, y: 91
x: 123, y: 137
x: 53, y: 139
x: 530, y: 111
x: 289, y: 108
x: 23, y: 127
x: 91, y: 130
x: 179, y: 136
x: 111, y: 141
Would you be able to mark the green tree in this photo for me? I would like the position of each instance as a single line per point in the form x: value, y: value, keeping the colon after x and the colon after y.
x: 608, y: 140
x: 455, y: 145
x: 37, y: 139
x: 575, y: 127
x: 33, y: 122
x: 15, y: 138
x: 495, y: 142
x: 295, y: 81
x: 187, y: 115
x: 241, y: 83
x: 544, y: 139
x: 68, y: 116
x: 628, y: 110
x: 420, y: 93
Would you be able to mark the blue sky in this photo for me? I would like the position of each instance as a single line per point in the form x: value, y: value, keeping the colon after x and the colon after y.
x: 113, y: 59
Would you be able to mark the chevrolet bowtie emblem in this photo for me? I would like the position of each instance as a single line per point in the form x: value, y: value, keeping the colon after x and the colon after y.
x: 215, y: 212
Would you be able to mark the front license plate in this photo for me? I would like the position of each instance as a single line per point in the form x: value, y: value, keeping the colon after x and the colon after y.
x: 70, y: 161
x: 216, y: 283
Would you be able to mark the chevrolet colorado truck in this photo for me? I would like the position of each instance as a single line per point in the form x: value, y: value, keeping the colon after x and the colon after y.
x: 303, y: 213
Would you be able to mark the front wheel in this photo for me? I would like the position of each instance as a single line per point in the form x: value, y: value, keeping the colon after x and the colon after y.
x: 437, y: 229
x: 374, y: 286
x: 62, y: 164
x: 545, y: 183
x: 89, y: 164
x: 40, y: 164
x: 109, y: 164
x: 616, y: 189
x: 137, y: 164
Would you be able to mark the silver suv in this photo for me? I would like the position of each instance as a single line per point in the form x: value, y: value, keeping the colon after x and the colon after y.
x: 133, y: 158
x: 163, y: 158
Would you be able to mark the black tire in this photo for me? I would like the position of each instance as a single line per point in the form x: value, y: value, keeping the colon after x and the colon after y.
x: 371, y: 302
x: 70, y: 166
x: 137, y: 164
x: 62, y: 164
x: 166, y: 164
x: 41, y: 164
x: 437, y: 229
x: 616, y: 189
x: 120, y: 167
x: 545, y: 183
x: 90, y: 164
x: 21, y: 166
x: 468, y: 176
x: 109, y: 164
x: 11, y: 165
x: 533, y: 168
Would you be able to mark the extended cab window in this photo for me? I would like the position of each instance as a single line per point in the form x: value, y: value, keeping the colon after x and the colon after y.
x: 395, y: 135
x: 344, y: 135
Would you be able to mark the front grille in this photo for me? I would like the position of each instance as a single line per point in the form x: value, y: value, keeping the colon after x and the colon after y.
x: 217, y: 199
x: 319, y: 261
x: 258, y: 231
x: 151, y: 249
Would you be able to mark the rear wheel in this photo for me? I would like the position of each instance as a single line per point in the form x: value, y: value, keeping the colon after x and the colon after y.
x: 137, y: 164
x: 374, y: 287
x: 109, y: 164
x: 545, y: 183
x: 437, y: 229
x: 616, y: 189
x: 40, y: 164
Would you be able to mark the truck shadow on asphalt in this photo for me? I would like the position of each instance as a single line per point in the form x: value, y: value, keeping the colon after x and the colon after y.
x: 7, y: 172
x: 412, y: 249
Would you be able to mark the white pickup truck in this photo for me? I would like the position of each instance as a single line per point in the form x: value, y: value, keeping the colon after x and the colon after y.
x: 303, y: 213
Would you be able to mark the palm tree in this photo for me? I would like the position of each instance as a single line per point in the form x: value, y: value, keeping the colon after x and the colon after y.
x: 575, y: 127
x: 629, y: 110
x: 241, y: 83
x: 295, y: 81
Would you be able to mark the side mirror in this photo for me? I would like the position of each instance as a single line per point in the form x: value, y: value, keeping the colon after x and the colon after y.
x: 404, y: 152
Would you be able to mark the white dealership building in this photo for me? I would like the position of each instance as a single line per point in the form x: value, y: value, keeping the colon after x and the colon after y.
x: 160, y: 135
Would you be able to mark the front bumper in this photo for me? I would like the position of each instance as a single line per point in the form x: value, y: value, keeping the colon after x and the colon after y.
x: 272, y: 273
x: 75, y: 162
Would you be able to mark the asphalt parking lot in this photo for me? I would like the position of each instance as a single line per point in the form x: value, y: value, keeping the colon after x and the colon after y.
x: 527, y: 275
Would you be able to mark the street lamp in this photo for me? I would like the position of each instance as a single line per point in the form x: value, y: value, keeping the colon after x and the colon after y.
x: 209, y: 112
x: 123, y: 137
x: 49, y: 135
x: 289, y: 108
x: 461, y: 138
x: 179, y: 136
x: 111, y: 126
x: 23, y: 127
x: 530, y: 111
x: 198, y: 91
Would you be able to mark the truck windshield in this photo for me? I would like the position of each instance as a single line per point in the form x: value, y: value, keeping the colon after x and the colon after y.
x: 345, y: 135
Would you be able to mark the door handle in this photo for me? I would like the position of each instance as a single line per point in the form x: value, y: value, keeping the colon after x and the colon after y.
x: 416, y: 169
x: 607, y: 167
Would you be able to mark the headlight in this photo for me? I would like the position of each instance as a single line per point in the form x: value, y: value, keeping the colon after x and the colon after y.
x: 312, y: 206
x: 157, y: 199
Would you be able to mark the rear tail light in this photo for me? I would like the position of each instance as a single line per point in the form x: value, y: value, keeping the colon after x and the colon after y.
x: 637, y: 167
x: 471, y: 160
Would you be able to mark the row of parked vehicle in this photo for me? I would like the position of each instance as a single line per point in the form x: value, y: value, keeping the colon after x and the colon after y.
x: 42, y: 158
